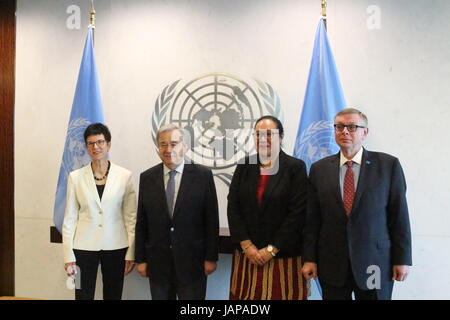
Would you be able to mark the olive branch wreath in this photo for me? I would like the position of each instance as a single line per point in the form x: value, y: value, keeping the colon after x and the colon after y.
x: 162, y: 105
x: 271, y: 99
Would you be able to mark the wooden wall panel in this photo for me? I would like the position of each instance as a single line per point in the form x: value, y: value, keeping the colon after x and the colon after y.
x: 7, y: 89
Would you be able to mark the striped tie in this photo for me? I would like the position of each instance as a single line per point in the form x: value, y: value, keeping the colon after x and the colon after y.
x: 349, y: 188
x: 170, y: 191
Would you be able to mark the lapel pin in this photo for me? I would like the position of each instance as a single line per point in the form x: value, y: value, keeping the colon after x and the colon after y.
x: 367, y: 162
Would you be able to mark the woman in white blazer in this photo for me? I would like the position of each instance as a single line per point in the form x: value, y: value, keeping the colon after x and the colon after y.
x: 99, y: 220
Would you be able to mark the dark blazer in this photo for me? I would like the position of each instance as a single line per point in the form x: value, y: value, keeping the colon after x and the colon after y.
x: 190, y: 237
x: 280, y: 218
x: 377, y: 232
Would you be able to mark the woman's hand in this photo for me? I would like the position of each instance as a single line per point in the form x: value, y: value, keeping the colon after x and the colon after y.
x: 265, y: 254
x: 253, y: 254
x: 129, y: 266
x: 70, y: 268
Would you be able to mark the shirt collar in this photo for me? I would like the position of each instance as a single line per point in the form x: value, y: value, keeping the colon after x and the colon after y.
x: 178, y: 169
x: 357, y: 158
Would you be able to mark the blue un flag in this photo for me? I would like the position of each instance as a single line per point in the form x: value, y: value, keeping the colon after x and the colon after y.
x: 86, y: 109
x: 323, y: 99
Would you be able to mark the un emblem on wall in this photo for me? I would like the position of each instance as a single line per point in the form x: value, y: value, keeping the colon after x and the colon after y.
x: 218, y: 111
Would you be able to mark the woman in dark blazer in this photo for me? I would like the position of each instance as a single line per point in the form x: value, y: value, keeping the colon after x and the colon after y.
x: 266, y: 212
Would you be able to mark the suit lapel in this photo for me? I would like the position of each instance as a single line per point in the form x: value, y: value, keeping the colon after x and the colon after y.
x: 185, y: 185
x: 251, y: 181
x: 159, y: 185
x: 335, y: 173
x: 112, y: 176
x: 362, y: 180
x: 90, y: 183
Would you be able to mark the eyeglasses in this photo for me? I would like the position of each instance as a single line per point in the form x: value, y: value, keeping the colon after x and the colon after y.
x: 265, y: 133
x: 350, y: 127
x: 100, y: 143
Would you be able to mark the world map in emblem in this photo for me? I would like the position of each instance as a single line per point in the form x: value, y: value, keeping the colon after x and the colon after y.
x: 218, y: 112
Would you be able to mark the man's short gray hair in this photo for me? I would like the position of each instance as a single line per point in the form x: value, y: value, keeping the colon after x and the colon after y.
x: 167, y: 128
x: 353, y: 111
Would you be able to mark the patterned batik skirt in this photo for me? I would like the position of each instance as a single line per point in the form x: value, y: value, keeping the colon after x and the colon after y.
x: 278, y: 279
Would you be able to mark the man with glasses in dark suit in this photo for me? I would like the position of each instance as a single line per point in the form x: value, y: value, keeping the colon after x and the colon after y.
x: 357, y: 237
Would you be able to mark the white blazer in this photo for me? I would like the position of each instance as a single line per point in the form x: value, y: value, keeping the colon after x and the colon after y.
x: 94, y: 225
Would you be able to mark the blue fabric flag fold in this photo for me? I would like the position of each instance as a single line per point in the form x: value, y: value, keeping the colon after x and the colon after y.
x: 323, y: 99
x: 86, y: 109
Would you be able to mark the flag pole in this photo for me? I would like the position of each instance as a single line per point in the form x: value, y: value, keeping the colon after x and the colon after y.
x: 87, y: 108
x: 92, y: 13
x: 324, y: 12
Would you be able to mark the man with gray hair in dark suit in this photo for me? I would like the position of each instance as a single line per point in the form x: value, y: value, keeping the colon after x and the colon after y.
x: 177, y: 227
x: 357, y: 237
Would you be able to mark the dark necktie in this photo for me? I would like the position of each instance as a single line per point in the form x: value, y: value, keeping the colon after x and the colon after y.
x: 349, y: 188
x: 170, y: 191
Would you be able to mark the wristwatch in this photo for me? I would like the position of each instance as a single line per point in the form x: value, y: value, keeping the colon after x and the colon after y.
x: 271, y: 250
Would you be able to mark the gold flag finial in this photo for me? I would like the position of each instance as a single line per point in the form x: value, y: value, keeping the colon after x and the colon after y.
x: 92, y: 14
x: 324, y: 8
x: 324, y: 12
